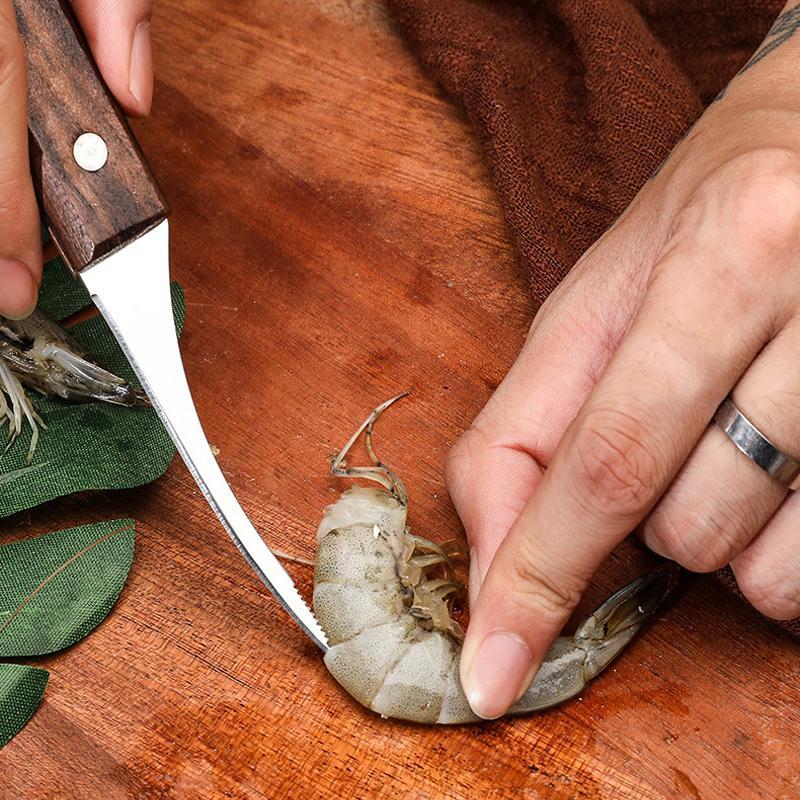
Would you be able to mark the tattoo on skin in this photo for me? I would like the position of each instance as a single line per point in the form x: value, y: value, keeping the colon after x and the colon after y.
x: 785, y: 27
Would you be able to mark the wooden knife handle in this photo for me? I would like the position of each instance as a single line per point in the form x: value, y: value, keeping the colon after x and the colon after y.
x: 89, y: 213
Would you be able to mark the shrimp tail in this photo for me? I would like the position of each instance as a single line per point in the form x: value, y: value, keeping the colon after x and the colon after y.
x: 574, y: 661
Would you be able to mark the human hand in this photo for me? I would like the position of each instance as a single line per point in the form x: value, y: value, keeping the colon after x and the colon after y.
x: 119, y: 36
x: 693, y: 294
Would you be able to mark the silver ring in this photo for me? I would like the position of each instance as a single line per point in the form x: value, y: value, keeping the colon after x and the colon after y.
x: 756, y: 446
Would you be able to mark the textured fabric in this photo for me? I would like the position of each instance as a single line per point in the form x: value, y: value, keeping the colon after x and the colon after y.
x: 577, y: 102
x: 87, y: 445
x: 56, y: 588
x: 21, y: 690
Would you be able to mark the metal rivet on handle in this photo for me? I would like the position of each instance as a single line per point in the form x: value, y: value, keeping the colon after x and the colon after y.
x: 90, y: 152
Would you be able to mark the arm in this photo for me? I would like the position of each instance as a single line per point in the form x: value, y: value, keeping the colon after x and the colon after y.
x: 602, y: 424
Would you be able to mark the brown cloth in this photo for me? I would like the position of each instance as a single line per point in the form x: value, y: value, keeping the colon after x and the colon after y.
x: 576, y: 102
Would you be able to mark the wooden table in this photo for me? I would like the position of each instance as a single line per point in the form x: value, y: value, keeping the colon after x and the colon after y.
x: 339, y: 240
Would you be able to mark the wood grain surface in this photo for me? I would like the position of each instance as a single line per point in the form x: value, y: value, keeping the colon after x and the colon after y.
x: 338, y: 240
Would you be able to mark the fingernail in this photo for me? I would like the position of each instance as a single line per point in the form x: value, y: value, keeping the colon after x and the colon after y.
x: 499, y: 673
x: 141, y: 75
x: 475, y: 578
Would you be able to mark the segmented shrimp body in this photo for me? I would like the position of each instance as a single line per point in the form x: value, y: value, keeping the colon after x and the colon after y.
x: 384, y: 596
x: 39, y: 354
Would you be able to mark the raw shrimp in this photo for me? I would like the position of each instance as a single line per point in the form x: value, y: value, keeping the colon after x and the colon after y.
x: 39, y: 354
x: 383, y: 597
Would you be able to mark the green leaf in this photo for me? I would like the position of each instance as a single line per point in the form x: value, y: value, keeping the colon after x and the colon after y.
x: 61, y: 294
x: 21, y: 690
x: 56, y: 588
x: 87, y: 445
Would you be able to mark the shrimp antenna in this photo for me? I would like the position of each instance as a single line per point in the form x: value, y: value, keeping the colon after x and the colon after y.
x: 378, y: 472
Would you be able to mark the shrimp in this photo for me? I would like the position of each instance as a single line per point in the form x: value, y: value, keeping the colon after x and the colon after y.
x: 384, y: 599
x: 39, y: 354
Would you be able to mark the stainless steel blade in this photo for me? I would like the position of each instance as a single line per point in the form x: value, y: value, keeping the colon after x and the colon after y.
x: 131, y: 289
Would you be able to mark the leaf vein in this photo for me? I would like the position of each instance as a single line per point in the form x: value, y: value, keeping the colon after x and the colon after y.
x: 41, y: 586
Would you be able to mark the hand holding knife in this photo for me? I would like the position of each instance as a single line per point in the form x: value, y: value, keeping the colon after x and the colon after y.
x: 108, y: 218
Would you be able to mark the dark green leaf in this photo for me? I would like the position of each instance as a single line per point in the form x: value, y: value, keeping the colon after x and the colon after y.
x: 87, y: 445
x: 56, y: 588
x: 61, y: 294
x: 21, y: 690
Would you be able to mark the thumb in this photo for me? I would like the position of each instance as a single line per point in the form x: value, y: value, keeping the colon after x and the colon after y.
x: 20, y: 244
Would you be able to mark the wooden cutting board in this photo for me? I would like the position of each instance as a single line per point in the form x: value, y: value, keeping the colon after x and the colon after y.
x: 338, y: 239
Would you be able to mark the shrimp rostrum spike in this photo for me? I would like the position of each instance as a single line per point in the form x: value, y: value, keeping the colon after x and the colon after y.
x: 384, y: 598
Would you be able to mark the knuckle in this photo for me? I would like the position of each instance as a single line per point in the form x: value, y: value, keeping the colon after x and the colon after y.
x: 764, y: 205
x: 554, y: 598
x: 669, y: 531
x: 748, y: 209
x: 460, y: 461
x: 772, y: 590
x: 701, y: 540
x: 615, y: 464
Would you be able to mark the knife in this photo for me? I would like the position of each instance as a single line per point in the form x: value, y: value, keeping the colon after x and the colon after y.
x: 108, y: 218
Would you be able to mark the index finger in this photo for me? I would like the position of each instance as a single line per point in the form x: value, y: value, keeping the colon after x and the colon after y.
x: 653, y: 402
x: 119, y: 35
